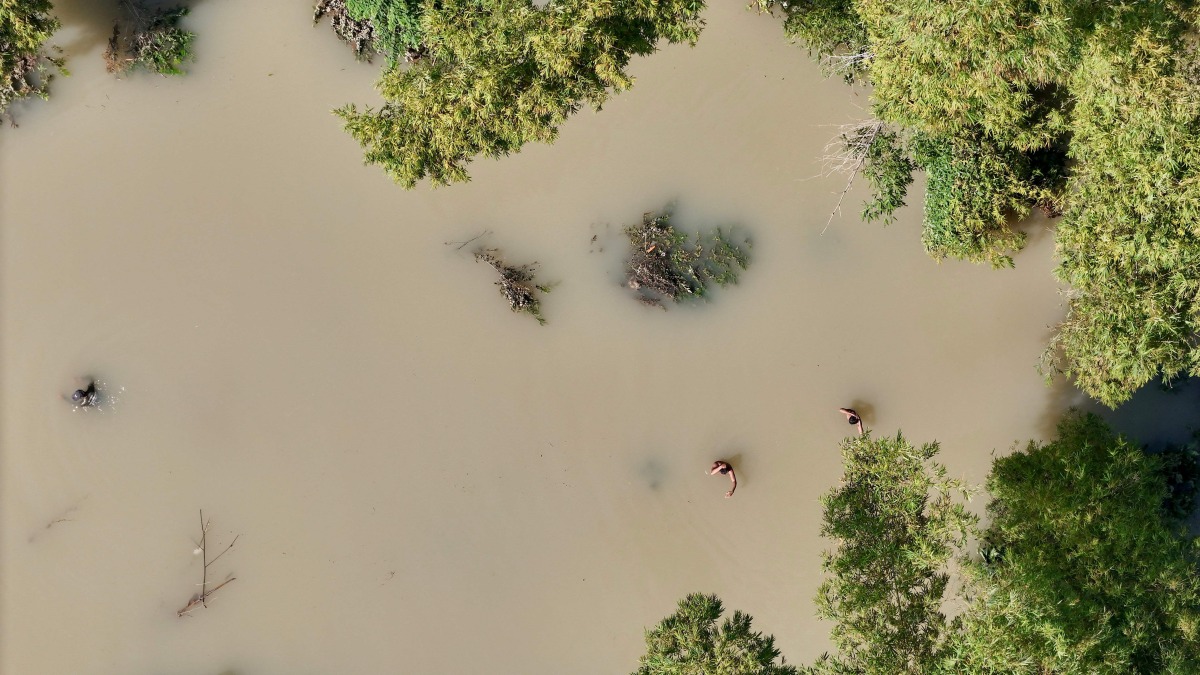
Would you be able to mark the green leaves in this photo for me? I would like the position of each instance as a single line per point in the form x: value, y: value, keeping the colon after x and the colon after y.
x: 502, y: 73
x: 975, y: 189
x: 25, y: 25
x: 1082, y: 567
x: 150, y: 38
x: 665, y: 265
x: 396, y: 23
x: 949, y: 68
x: 897, y: 519
x: 1087, y: 573
x: 689, y: 643
x: 1130, y: 241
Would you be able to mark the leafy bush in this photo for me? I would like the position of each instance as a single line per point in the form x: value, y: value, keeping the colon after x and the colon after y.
x: 150, y: 38
x: 1084, y: 571
x: 1130, y: 242
x: 689, y: 643
x: 397, y: 25
x: 974, y: 189
x: 25, y: 25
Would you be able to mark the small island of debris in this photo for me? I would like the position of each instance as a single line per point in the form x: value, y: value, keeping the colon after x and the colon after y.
x: 517, y: 283
x: 665, y: 265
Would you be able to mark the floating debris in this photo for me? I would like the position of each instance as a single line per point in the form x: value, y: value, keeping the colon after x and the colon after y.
x: 667, y: 264
x: 517, y: 284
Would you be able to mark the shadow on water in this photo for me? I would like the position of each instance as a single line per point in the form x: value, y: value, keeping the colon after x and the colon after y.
x: 652, y: 472
x: 1156, y: 416
x: 91, y: 21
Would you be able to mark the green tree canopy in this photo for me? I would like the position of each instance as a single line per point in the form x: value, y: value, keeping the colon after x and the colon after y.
x: 897, y: 519
x: 1083, y: 569
x: 1086, y: 108
x: 951, y: 67
x: 502, y: 73
x: 25, y: 25
x: 1130, y: 242
x: 976, y: 190
x: 689, y: 642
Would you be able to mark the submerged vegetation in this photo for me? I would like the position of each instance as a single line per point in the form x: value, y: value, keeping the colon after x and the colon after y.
x: 1089, y: 110
x: 148, y: 37
x: 497, y: 74
x: 26, y: 66
x: 666, y: 264
x: 1082, y: 569
x: 518, y: 284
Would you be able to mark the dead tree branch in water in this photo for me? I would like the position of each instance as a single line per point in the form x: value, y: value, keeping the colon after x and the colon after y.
x: 846, y: 66
x: 517, y: 283
x: 847, y: 153
x: 463, y: 244
x: 665, y: 263
x: 201, y: 598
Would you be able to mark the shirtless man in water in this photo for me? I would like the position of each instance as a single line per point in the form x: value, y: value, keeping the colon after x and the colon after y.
x: 82, y: 398
x: 853, y: 418
x: 722, y: 467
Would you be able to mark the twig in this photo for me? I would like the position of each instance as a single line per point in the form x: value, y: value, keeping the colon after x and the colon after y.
x: 224, y: 552
x: 201, y: 598
x: 847, y: 153
x: 463, y: 244
x: 204, y: 553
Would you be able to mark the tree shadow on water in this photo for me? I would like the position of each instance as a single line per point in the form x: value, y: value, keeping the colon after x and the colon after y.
x: 90, y: 22
x: 1156, y: 416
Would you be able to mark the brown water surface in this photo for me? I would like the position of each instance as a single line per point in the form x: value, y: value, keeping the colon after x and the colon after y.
x: 423, y: 481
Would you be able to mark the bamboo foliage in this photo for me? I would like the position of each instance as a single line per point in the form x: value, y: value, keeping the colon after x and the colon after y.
x: 690, y: 642
x: 1082, y: 568
x: 897, y: 519
x: 1130, y: 242
x: 502, y: 73
x: 25, y: 66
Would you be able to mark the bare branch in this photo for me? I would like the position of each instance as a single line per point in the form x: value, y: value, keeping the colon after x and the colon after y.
x: 201, y: 598
x: 847, y: 153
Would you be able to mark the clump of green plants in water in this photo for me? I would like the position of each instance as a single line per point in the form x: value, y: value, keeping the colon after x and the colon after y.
x: 666, y: 264
x: 358, y: 33
x: 518, y: 284
x: 25, y: 67
x: 150, y: 38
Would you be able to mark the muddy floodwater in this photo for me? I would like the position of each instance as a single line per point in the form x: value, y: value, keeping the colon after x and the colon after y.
x: 423, y: 481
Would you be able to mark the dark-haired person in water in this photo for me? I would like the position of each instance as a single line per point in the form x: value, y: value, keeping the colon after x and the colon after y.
x: 722, y: 467
x: 853, y: 418
x: 82, y: 398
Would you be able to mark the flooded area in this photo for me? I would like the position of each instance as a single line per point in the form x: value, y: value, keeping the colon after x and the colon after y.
x: 423, y: 481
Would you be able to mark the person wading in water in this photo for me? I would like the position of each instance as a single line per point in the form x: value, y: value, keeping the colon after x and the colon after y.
x: 722, y: 467
x: 83, y: 398
x: 853, y: 418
